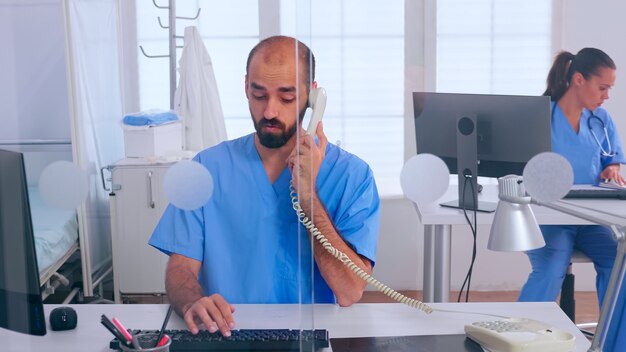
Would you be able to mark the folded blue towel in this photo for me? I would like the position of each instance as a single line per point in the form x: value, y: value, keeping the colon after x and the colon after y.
x: 150, y: 118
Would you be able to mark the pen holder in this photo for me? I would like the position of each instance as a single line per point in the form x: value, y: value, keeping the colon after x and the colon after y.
x: 147, y: 343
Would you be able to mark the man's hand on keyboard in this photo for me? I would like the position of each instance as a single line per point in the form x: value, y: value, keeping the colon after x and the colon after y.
x: 212, y: 311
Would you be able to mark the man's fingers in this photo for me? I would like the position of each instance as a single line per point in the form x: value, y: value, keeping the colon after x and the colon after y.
x: 226, y: 310
x: 203, y: 314
x: 213, y: 312
x: 190, y: 321
x: 218, y: 318
x: 321, y: 137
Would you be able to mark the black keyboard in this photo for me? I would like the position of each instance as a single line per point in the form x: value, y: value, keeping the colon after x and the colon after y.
x: 241, y: 340
x: 602, y: 193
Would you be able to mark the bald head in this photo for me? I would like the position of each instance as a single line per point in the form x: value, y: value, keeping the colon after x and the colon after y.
x: 279, y: 50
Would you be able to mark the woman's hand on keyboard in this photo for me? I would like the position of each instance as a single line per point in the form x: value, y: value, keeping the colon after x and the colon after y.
x: 612, y: 172
x: 212, y: 311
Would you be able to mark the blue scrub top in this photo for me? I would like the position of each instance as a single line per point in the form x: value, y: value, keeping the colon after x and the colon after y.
x: 582, y: 150
x: 248, y: 236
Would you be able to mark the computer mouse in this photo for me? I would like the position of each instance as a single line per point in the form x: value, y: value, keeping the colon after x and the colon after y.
x: 63, y: 318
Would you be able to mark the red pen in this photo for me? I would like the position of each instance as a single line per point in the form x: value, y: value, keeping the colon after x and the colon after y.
x: 163, y: 341
x: 122, y: 329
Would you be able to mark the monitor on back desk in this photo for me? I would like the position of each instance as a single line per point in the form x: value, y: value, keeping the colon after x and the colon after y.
x: 481, y: 135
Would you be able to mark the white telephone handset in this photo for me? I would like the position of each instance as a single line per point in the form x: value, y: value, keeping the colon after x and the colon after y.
x: 317, y: 102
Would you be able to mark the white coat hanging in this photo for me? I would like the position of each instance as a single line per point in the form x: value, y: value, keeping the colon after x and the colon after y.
x: 197, y: 98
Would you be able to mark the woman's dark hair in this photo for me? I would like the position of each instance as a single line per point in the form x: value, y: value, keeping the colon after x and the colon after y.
x: 587, y: 61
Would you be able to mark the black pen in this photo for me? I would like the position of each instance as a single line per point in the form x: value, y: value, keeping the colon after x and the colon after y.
x: 114, y: 330
x: 167, y: 318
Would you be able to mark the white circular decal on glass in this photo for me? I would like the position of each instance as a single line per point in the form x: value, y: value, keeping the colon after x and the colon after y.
x: 188, y: 185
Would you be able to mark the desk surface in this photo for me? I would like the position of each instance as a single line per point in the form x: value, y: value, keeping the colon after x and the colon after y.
x: 359, y: 320
x: 434, y: 214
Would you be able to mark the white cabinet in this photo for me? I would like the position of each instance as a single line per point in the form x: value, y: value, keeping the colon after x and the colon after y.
x: 137, y: 203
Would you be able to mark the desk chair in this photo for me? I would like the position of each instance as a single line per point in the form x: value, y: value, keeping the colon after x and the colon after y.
x: 567, y: 302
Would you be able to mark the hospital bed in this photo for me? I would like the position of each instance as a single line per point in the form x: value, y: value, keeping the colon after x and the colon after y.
x: 56, y: 236
x: 56, y: 230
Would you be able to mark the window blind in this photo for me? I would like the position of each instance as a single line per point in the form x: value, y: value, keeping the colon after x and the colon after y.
x: 359, y: 49
x: 493, y: 46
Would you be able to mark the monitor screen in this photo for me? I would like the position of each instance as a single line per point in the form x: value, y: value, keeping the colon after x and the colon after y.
x: 20, y: 298
x: 507, y: 131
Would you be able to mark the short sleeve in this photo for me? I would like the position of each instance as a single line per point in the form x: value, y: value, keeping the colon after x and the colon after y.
x: 181, y: 232
x: 358, y: 218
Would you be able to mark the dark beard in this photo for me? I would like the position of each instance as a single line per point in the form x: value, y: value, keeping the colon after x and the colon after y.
x: 270, y: 140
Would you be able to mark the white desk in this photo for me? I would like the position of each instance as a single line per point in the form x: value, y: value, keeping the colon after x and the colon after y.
x: 437, y: 223
x: 360, y: 320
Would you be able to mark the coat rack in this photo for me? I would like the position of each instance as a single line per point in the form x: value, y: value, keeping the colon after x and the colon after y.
x: 172, y: 43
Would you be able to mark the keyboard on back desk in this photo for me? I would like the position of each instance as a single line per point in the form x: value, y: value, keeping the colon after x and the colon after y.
x: 242, y: 340
x: 596, y: 192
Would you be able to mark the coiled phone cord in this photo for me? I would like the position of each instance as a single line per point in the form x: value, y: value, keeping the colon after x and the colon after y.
x: 342, y: 257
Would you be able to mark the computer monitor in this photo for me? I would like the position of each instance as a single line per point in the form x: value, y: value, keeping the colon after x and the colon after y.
x: 20, y: 298
x: 481, y: 135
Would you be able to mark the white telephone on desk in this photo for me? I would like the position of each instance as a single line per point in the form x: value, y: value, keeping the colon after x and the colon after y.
x: 317, y: 102
x: 520, y: 335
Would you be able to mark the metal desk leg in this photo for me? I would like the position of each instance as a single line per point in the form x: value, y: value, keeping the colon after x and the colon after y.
x: 429, y: 264
x: 437, y: 267
x: 611, y: 296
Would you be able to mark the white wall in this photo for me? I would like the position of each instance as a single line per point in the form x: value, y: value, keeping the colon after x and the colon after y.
x: 400, y: 258
x: 589, y: 24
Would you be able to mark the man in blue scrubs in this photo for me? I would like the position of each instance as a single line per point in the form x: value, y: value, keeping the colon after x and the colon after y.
x: 245, y: 245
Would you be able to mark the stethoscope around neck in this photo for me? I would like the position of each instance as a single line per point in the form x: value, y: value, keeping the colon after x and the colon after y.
x: 605, y: 153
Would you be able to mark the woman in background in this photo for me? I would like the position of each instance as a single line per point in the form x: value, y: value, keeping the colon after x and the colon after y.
x: 583, y: 132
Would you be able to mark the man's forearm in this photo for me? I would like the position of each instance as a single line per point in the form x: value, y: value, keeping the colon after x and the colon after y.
x: 346, y: 285
x: 182, y: 288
